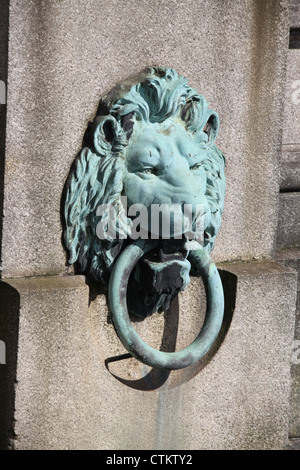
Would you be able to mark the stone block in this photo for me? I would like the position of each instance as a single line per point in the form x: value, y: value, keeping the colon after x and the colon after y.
x: 291, y: 257
x: 3, y: 39
x: 294, y: 444
x: 230, y: 51
x: 290, y: 158
x: 290, y: 168
x: 3, y: 82
x: 291, y: 121
x: 294, y: 428
x: 294, y: 14
x: 72, y: 387
x: 288, y: 234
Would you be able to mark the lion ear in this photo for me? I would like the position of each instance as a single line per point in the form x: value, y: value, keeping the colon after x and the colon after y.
x: 202, y: 122
x: 104, y: 131
x: 211, y: 128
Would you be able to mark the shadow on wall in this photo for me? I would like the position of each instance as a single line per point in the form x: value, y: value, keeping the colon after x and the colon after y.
x: 4, y: 9
x: 166, y: 379
x: 9, y: 328
x: 10, y: 299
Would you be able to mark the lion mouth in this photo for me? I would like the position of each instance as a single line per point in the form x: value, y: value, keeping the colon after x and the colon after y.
x: 158, y: 277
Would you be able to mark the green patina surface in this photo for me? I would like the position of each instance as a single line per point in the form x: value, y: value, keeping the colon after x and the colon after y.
x: 153, y: 141
x: 126, y: 332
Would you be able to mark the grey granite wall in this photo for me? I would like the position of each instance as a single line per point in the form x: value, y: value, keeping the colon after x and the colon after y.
x: 288, y: 239
x: 63, y: 56
x: 74, y: 391
x: 295, y: 13
x: 3, y: 83
x: 62, y: 386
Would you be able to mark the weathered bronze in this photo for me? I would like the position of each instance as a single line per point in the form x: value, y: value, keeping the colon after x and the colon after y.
x: 150, y: 146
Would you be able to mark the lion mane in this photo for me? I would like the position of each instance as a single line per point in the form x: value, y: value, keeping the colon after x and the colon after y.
x: 96, y: 176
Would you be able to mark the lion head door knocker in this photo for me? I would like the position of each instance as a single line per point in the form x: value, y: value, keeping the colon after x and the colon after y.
x: 143, y: 205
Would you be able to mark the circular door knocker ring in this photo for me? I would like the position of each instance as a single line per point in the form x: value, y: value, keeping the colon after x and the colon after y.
x: 205, y: 268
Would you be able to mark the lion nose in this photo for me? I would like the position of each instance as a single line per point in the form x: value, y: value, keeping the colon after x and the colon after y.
x: 178, y: 175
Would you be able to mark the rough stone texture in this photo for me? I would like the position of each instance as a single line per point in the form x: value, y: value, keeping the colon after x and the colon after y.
x: 290, y: 167
x: 289, y: 220
x: 63, y: 56
x: 295, y: 13
x: 290, y: 158
x: 3, y: 78
x: 291, y: 257
x: 294, y: 444
x: 72, y: 393
x: 294, y: 429
x: 289, y: 214
x: 63, y: 387
x: 291, y: 123
x: 3, y: 39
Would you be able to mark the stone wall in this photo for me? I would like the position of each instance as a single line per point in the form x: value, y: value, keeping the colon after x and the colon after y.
x: 63, y: 58
x: 294, y: 13
x: 288, y: 238
x: 64, y: 384
x: 3, y: 79
x: 74, y: 390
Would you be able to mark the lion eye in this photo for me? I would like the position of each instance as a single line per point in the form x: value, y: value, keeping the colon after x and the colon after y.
x: 196, y: 166
x: 146, y: 171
